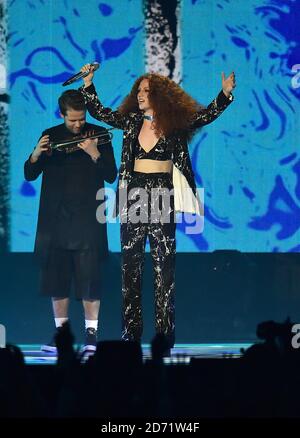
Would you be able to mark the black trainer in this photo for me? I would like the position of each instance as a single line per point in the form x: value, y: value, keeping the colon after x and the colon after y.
x: 49, y: 348
x: 90, y: 344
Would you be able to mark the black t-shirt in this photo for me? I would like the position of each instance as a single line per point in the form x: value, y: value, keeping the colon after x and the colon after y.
x: 68, y: 202
x: 74, y: 206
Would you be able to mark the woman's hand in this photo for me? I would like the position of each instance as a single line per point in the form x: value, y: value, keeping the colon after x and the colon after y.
x: 88, y: 80
x: 228, y: 84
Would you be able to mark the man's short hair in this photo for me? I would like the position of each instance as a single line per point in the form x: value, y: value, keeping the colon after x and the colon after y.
x: 71, y: 100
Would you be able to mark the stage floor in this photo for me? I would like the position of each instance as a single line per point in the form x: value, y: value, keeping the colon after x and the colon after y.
x: 181, y: 353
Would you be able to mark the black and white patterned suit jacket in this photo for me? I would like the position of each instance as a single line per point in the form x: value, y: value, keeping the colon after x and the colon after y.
x: 131, y: 125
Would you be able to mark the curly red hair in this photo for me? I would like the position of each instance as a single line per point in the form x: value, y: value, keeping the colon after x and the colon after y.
x: 173, y: 108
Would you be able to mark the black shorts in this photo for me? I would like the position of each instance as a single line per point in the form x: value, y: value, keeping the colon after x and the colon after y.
x: 66, y: 268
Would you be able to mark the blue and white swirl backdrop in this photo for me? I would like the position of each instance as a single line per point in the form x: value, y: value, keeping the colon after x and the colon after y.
x: 248, y: 160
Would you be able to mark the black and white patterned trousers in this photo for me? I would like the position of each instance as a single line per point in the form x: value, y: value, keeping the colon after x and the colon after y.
x: 148, y: 213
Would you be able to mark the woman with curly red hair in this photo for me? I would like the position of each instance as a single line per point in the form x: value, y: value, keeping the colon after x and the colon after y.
x: 158, y: 118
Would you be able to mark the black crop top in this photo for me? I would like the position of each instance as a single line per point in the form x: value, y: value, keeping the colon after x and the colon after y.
x: 159, y: 152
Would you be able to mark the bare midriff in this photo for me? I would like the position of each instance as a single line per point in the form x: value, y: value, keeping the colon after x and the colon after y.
x: 153, y: 166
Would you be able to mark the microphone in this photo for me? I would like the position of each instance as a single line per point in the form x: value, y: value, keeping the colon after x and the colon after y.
x: 74, y: 78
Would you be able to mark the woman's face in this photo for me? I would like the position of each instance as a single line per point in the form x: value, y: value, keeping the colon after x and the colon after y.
x: 142, y: 95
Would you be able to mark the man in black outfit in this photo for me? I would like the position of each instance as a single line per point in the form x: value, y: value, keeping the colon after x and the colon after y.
x: 70, y: 243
